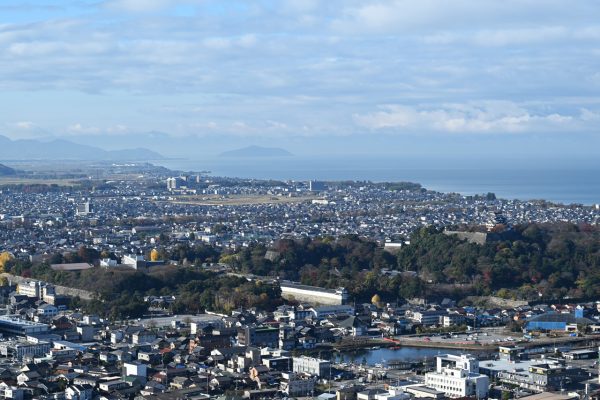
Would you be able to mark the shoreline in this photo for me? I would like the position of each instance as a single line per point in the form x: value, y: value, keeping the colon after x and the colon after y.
x: 369, y: 343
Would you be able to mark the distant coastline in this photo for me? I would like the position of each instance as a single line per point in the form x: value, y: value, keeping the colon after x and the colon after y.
x: 579, y: 185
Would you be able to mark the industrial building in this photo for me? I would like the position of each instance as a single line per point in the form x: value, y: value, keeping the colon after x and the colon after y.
x: 14, y: 325
x: 537, y: 375
x: 313, y: 294
x: 458, y: 376
x: 553, y: 321
x: 20, y: 349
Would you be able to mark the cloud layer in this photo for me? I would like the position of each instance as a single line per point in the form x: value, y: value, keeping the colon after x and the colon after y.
x: 299, y: 67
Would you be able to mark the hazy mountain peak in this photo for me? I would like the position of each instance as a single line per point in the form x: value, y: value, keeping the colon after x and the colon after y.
x: 257, y: 151
x: 58, y: 148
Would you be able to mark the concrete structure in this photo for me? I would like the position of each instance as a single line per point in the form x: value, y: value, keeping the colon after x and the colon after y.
x: 143, y: 337
x: 312, y: 366
x: 134, y: 368
x: 109, y: 386
x: 30, y: 288
x: 297, y: 385
x: 429, y: 317
x: 324, y: 311
x: 71, y: 266
x: 458, y: 376
x: 471, y: 237
x: 537, y: 375
x: 262, y: 336
x: 108, y: 263
x: 453, y: 320
x: 313, y: 294
x: 47, y: 310
x: 19, y: 349
x: 316, y: 186
x: 84, y: 209
x: 553, y: 321
x: 200, y: 322
x: 421, y: 391
x: 14, y: 325
x: 79, y: 392
x: 134, y: 261
x: 10, y: 392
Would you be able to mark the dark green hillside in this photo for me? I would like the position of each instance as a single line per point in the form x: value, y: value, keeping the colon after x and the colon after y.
x: 6, y: 171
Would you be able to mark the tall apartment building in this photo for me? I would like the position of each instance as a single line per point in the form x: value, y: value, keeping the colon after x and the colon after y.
x: 458, y: 376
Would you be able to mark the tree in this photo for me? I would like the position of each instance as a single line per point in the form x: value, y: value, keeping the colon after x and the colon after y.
x: 154, y: 255
x: 5, y: 258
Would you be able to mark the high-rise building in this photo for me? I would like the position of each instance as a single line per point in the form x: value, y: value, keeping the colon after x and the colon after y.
x: 316, y: 186
x: 458, y: 376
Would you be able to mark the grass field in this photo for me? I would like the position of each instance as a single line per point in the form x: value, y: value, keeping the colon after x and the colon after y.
x: 11, y: 180
x: 238, y: 200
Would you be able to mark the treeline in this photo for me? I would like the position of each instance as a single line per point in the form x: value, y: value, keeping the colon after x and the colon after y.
x: 121, y: 291
x: 555, y: 260
x: 349, y: 261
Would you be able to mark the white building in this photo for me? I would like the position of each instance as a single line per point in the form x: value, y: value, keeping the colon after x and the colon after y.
x: 312, y: 366
x: 47, y: 310
x: 313, y: 294
x: 19, y: 349
x: 31, y: 288
x: 83, y: 209
x: 324, y: 311
x: 108, y: 263
x: 134, y: 261
x: 143, y: 337
x: 10, y: 392
x: 458, y: 376
x: 79, y: 392
x: 297, y: 385
x: 135, y: 368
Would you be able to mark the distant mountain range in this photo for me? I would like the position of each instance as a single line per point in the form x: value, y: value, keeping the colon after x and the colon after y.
x: 6, y: 171
x: 256, y: 152
x: 60, y: 149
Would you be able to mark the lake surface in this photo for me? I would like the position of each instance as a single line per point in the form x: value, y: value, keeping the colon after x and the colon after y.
x: 383, y: 355
x: 559, y: 183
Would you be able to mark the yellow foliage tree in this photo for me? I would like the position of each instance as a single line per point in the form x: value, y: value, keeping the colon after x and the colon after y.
x: 4, y: 258
x: 154, y: 255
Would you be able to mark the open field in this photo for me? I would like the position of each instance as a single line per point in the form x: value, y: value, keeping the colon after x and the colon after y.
x: 12, y: 180
x: 238, y: 200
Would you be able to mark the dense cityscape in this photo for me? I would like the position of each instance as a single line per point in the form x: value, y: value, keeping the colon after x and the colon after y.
x: 299, y: 199
x: 144, y: 283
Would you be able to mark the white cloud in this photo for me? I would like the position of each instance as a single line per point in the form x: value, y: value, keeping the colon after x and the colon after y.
x: 538, y: 35
x: 24, y: 130
x: 407, y: 16
x: 304, y: 65
x: 24, y: 125
x: 483, y: 117
x: 139, y: 5
x: 79, y: 128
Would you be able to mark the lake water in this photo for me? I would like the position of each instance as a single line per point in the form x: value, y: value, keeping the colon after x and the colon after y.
x: 383, y: 355
x: 558, y: 183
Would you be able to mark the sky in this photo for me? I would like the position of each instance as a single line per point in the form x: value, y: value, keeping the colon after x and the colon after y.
x: 423, y: 76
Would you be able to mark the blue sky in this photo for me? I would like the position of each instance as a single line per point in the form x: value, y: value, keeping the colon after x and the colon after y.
x: 289, y: 70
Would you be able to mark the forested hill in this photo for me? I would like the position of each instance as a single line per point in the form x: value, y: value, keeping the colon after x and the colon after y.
x: 554, y: 259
